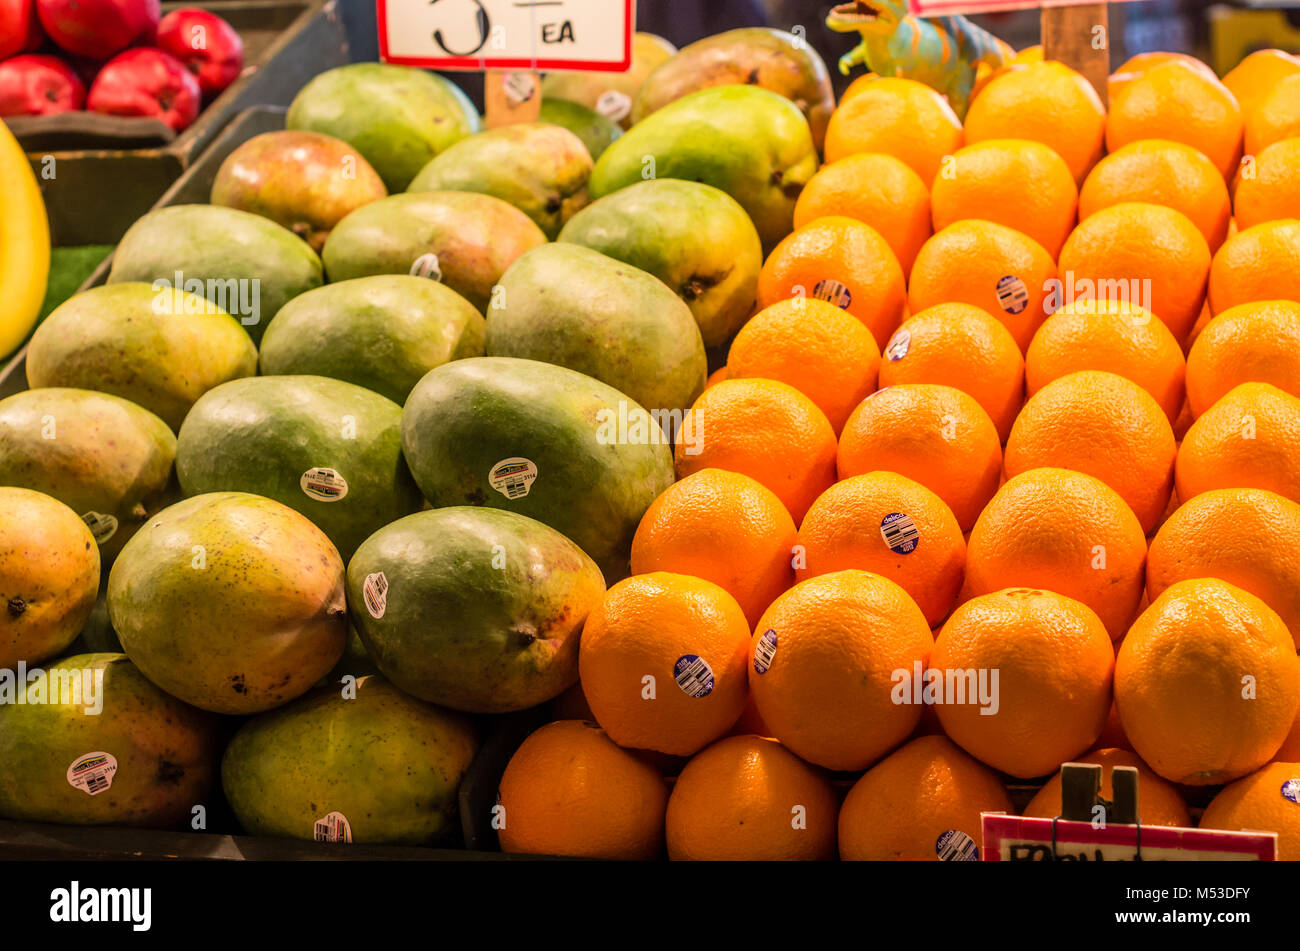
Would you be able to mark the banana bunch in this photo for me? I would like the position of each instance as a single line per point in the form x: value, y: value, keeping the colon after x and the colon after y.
x: 24, y: 245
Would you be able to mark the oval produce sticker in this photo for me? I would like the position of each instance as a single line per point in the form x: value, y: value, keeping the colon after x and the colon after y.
x: 694, y: 675
x: 764, y: 651
x: 900, y: 533
x: 614, y: 105
x: 323, y: 484
x: 374, y: 591
x: 332, y: 828
x: 102, y: 527
x: 956, y: 846
x: 92, y: 773
x: 1013, y: 296
x: 513, y: 477
x: 898, y: 345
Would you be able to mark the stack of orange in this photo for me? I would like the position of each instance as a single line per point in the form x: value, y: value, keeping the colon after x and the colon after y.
x: 1019, y: 395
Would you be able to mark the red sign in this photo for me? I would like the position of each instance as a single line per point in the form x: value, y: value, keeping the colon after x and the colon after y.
x: 479, y: 35
x: 1017, y: 839
x: 934, y: 8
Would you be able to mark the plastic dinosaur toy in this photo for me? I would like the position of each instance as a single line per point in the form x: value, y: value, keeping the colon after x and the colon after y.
x: 943, y: 52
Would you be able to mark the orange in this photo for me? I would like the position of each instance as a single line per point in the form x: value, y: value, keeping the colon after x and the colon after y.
x: 1161, y: 172
x: 921, y: 803
x: 1269, y: 189
x: 1064, y: 531
x: 1249, y: 439
x: 766, y: 430
x: 1045, y: 102
x: 893, y: 526
x: 1178, y: 101
x: 935, y: 435
x: 826, y: 354
x: 1053, y: 663
x: 1289, y: 752
x: 1264, y: 801
x: 1012, y: 182
x: 876, y: 189
x: 1112, y: 735
x: 1250, y: 343
x: 1112, y: 336
x: 1254, y: 77
x: 987, y: 265
x: 1105, y: 426
x: 1159, y: 803
x: 716, y: 377
x: 900, y: 117
x: 1142, y: 63
x: 858, y: 85
x: 823, y: 664
x: 1247, y: 537
x: 662, y: 662
x: 569, y: 790
x: 723, y: 527
x: 1030, y: 54
x: 1275, y: 116
x: 842, y: 261
x: 1139, y: 253
x: 964, y: 347
x: 1207, y: 683
x: 1261, y: 262
x: 747, y: 798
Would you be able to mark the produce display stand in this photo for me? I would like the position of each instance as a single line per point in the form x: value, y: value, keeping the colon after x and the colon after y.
x: 103, y: 178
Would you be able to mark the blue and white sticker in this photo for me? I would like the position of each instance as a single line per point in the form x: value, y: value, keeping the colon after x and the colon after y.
x: 833, y: 292
x: 693, y: 675
x: 764, y: 651
x: 956, y: 846
x: 900, y: 533
x: 513, y: 477
x: 1291, y: 790
x: 898, y: 345
x: 1013, y: 296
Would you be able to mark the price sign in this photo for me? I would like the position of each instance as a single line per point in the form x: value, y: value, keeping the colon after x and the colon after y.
x: 934, y: 8
x: 1017, y: 839
x: 507, y: 34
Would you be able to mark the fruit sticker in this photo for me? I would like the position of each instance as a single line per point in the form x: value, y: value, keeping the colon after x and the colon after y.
x: 323, y: 485
x: 93, y: 772
x: 956, y: 846
x: 1291, y: 790
x: 764, y: 651
x: 513, y: 477
x: 900, y: 533
x: 614, y: 105
x: 374, y: 591
x: 103, y: 527
x: 426, y: 265
x: 898, y: 345
x: 332, y: 828
x: 694, y: 675
x: 1012, y: 294
x: 833, y: 292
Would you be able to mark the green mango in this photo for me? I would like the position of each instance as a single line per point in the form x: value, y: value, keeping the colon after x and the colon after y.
x: 576, y: 308
x: 328, y: 449
x: 473, y: 608
x: 462, y: 239
x: 542, y: 441
x: 695, y: 238
x: 144, y: 759
x: 160, y: 349
x: 539, y: 168
x: 397, y: 117
x: 247, y: 265
x: 382, y: 332
x: 752, y: 143
x: 595, y: 131
x: 105, y: 457
x: 375, y: 766
x: 231, y: 602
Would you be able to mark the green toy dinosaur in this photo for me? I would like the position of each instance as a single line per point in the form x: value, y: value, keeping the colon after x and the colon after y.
x: 943, y: 52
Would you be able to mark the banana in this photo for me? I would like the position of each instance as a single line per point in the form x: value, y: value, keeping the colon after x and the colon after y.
x: 24, y: 245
